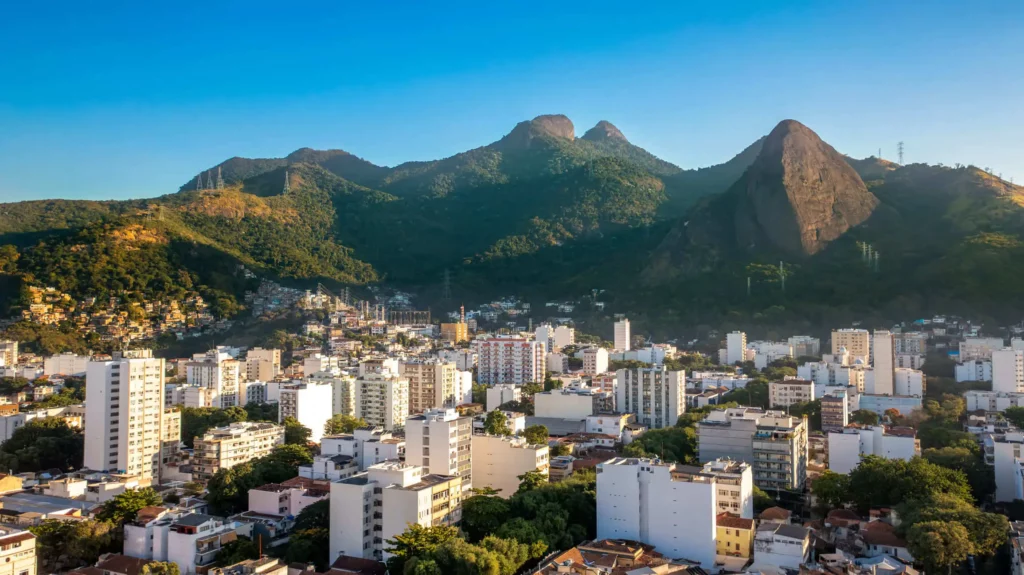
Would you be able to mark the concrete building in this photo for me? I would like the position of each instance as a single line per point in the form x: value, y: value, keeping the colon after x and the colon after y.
x: 975, y: 370
x: 1008, y: 370
x: 438, y: 440
x: 127, y: 429
x: 502, y: 393
x: 609, y: 424
x: 765, y: 352
x: 774, y: 444
x: 789, y: 392
x: 12, y: 421
x: 262, y: 364
x: 805, y: 346
x: 499, y: 461
x: 781, y: 546
x: 979, y: 348
x: 343, y: 390
x: 856, y: 342
x: 17, y: 551
x: 457, y: 332
x: 281, y: 499
x: 909, y: 360
x: 655, y: 395
x: 320, y: 363
x: 911, y: 343
x: 1006, y: 450
x: 847, y: 446
x: 735, y: 347
x: 672, y: 507
x: 218, y: 372
x: 622, y: 335
x: 367, y: 446
x: 382, y: 399
x: 225, y: 447
x: 567, y: 404
x: 883, y: 362
x: 372, y: 507
x: 908, y: 382
x: 595, y: 360
x: 309, y: 403
x: 735, y: 480
x: 464, y: 359
x: 509, y: 360
x: 557, y: 362
x: 734, y: 536
x: 879, y: 404
x: 66, y: 364
x: 8, y: 353
x: 192, y: 540
x: 992, y: 400
x: 545, y: 335
x: 835, y: 412
x: 433, y: 384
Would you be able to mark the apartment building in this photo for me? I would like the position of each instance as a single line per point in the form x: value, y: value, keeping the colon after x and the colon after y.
x: 857, y: 342
x: 438, y: 440
x: 66, y: 364
x: 127, y: 429
x: 974, y: 370
x: 847, y: 446
x: 669, y: 506
x: 911, y: 342
x: 367, y: 445
x: 569, y: 403
x: 622, y: 335
x: 765, y: 352
x: 192, y: 540
x: 509, y: 360
x: 433, y: 383
x: 8, y: 353
x: 285, y: 499
x: 774, y: 444
x: 979, y: 348
x: 310, y: 403
x: 883, y: 362
x: 1006, y: 451
x: 655, y: 395
x: 502, y: 393
x: 228, y: 446
x: 789, y: 392
x: 382, y: 399
x: 498, y: 462
x: 735, y: 480
x: 735, y: 347
x: 805, y: 346
x: 1008, y: 370
x: 595, y: 361
x: 457, y: 332
x: 835, y: 412
x: 372, y: 507
x: 262, y: 364
x: 221, y: 374
x: 320, y: 363
x: 992, y: 400
x: 464, y: 359
x: 17, y: 552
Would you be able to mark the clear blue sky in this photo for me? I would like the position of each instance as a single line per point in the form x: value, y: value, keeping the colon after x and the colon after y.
x: 130, y: 99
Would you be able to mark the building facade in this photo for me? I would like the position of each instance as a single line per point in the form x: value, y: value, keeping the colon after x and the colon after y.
x: 309, y: 403
x: 789, y: 392
x: 225, y: 447
x: 509, y: 360
x: 438, y: 440
x: 382, y: 399
x: 499, y: 461
x: 655, y: 395
x: 433, y: 383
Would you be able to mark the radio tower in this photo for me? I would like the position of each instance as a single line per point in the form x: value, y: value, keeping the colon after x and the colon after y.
x: 899, y: 151
x: 220, y: 180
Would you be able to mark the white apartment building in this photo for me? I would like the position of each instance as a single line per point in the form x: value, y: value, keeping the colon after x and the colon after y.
x: 992, y: 400
x: 805, y: 346
x: 127, y: 429
x: 672, y: 507
x: 11, y: 423
x: 911, y: 360
x: 191, y: 540
x: 765, y: 352
x: 557, y: 362
x: 774, y: 444
x: 609, y: 424
x: 438, y: 440
x: 262, y: 364
x: 464, y: 359
x: 790, y: 391
x: 382, y: 399
x: 883, y: 362
x: 1006, y: 450
x: 1008, y: 370
x: 309, y: 403
x: 911, y: 342
x: 367, y: 446
x: 735, y: 486
x: 566, y: 403
x: 284, y: 500
x: 369, y: 508
x: 254, y: 391
x: 564, y: 336
x: 908, y: 382
x: 974, y: 348
x: 857, y: 342
x: 499, y: 461
x: 433, y: 383
x: 502, y: 393
x: 318, y: 362
x: 655, y: 395
x: 509, y: 360
x: 66, y: 364
x: 622, y: 335
x: 545, y: 335
x: 228, y: 446
x: 595, y: 360
x: 8, y: 353
x: 847, y: 446
x: 17, y: 551
x: 735, y: 347
x: 975, y: 370
x: 218, y: 372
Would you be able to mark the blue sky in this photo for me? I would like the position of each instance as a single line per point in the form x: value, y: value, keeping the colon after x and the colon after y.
x: 127, y: 99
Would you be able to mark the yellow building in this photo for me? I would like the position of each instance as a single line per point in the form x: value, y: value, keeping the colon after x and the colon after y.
x: 735, y: 535
x: 455, y: 332
x: 17, y: 552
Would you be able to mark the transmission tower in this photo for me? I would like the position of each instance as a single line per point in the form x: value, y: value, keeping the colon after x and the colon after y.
x: 220, y: 180
x: 899, y: 151
x: 286, y: 181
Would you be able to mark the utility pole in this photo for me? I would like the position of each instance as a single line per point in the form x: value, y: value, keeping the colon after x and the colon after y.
x: 899, y: 151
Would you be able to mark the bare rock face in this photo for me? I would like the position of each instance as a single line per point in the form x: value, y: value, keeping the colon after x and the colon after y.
x: 799, y: 194
x: 604, y: 130
x: 553, y: 126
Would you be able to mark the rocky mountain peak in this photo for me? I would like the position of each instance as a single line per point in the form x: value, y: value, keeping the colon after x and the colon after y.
x: 604, y: 130
x: 555, y: 126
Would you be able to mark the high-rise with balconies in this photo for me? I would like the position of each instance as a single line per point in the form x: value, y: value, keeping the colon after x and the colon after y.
x: 439, y: 441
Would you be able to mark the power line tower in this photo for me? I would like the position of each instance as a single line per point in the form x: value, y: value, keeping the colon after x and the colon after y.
x: 286, y: 181
x: 220, y: 180
x: 899, y: 151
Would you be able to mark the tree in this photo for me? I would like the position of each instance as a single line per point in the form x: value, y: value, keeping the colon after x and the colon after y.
x: 314, y: 516
x: 536, y: 434
x: 879, y: 482
x: 762, y: 500
x: 295, y: 433
x: 559, y: 450
x: 532, y: 388
x: 832, y: 490
x: 228, y: 489
x: 672, y: 444
x: 483, y: 515
x: 44, y: 443
x: 164, y: 567
x: 496, y: 423
x: 986, y: 531
x: 864, y: 417
x: 309, y: 545
x: 261, y: 412
x: 531, y: 480
x: 479, y: 393
x: 126, y: 505
x: 196, y: 421
x: 342, y: 423
x: 1015, y: 415
x: 417, y: 541
x: 65, y: 544
x: 938, y: 545
x: 968, y: 460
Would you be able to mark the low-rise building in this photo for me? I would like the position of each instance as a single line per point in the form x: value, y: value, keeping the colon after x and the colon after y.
x: 789, y: 392
x: 367, y: 446
x: 992, y: 400
x: 735, y: 535
x: 17, y: 551
x: 192, y: 540
x: 735, y: 480
x: 502, y: 393
x: 283, y: 499
x: 848, y: 446
x: 499, y: 461
x: 228, y: 446
x: 781, y: 546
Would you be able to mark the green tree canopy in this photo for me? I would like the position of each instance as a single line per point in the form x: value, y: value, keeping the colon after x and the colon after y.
x: 417, y: 541
x: 832, y: 490
x: 536, y: 434
x: 163, y: 568
x: 341, y: 423
x: 864, y: 417
x: 125, y: 506
x: 295, y: 433
x: 44, y: 443
x: 880, y: 482
x: 938, y: 545
x: 496, y: 423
